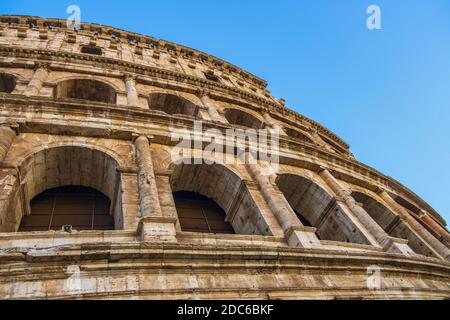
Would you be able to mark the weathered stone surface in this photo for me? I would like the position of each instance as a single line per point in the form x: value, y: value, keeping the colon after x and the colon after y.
x: 105, y: 118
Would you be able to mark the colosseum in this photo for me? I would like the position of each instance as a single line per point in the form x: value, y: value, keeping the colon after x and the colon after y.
x: 93, y: 204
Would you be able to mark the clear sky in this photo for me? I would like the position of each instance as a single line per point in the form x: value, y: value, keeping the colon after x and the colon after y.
x: 386, y: 92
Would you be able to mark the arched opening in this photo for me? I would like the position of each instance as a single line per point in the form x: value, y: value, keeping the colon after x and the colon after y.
x: 296, y: 134
x: 86, y: 178
x: 94, y: 50
x: 7, y: 83
x: 172, y: 104
x: 223, y: 187
x: 241, y: 118
x: 83, y: 89
x: 391, y: 223
x: 198, y: 213
x: 319, y: 209
x: 79, y: 207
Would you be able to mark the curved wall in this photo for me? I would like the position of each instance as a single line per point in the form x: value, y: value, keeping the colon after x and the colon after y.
x: 99, y: 108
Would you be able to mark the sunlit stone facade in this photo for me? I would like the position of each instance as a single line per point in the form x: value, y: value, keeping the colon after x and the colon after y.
x: 95, y: 109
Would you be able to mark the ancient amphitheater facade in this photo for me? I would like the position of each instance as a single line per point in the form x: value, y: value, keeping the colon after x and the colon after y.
x: 93, y: 205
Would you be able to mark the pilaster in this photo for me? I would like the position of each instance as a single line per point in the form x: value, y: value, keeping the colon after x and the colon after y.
x: 211, y: 108
x: 295, y: 233
x: 153, y: 226
x: 39, y: 77
x: 132, y: 94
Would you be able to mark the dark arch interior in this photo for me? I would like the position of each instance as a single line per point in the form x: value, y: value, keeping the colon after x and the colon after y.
x: 316, y: 208
x: 81, y: 207
x: 304, y: 221
x: 7, y: 83
x: 172, y: 104
x: 391, y: 223
x: 198, y: 213
x: 83, y: 89
x: 382, y: 215
x: 223, y: 186
x: 296, y: 134
x: 241, y: 118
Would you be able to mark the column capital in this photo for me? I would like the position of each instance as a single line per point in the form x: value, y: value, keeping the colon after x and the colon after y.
x: 379, y: 190
x: 12, y: 125
x: 42, y: 65
x: 321, y: 169
x: 203, y: 92
x: 250, y: 184
x: 129, y: 76
x: 136, y: 136
x: 422, y: 213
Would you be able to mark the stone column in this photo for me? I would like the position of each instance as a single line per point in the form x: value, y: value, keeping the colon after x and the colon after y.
x: 132, y: 94
x: 166, y: 199
x: 39, y: 77
x: 296, y: 234
x: 7, y: 135
x: 387, y: 242
x: 434, y: 243
x: 148, y: 194
x: 211, y: 108
x: 153, y: 226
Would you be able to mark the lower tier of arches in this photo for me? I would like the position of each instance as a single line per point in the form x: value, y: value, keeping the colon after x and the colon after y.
x: 198, y: 197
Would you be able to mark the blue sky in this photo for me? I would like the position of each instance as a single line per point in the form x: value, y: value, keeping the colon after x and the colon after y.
x: 386, y: 92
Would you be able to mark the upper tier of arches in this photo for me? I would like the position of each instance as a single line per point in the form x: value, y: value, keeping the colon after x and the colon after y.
x: 96, y: 40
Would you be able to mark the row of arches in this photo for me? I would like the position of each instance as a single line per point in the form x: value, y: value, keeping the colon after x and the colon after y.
x: 80, y: 187
x: 98, y: 91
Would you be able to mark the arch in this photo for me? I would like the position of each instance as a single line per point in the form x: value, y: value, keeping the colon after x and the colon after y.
x: 226, y: 188
x: 172, y: 104
x: 243, y: 118
x: 106, y: 80
x: 69, y: 165
x: 86, y: 89
x: 20, y: 158
x: 297, y: 134
x: 319, y: 208
x: 390, y: 222
x: 7, y: 82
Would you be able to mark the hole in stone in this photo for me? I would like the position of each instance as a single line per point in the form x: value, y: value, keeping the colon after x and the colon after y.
x: 94, y: 50
x: 7, y: 83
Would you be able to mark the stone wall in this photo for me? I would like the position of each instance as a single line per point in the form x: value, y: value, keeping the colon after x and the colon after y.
x: 107, y: 122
